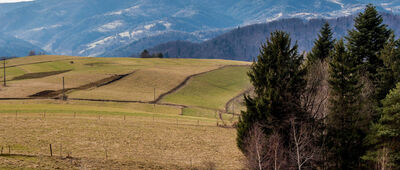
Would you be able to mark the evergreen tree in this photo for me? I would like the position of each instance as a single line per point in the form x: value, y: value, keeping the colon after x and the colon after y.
x: 278, y: 80
x: 391, y: 56
x: 145, y: 54
x: 323, y: 45
x: 368, y: 38
x: 385, y: 134
x: 389, y: 74
x: 366, y: 43
x: 344, y: 134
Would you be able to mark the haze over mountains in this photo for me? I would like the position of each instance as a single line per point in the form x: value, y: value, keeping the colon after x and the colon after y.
x: 122, y: 27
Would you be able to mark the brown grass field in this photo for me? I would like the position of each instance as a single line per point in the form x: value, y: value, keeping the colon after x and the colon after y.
x: 110, y: 142
x: 121, y: 127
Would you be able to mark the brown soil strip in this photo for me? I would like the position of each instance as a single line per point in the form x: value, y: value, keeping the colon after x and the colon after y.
x: 57, y: 94
x: 98, y: 64
x: 39, y: 75
x: 4, y: 99
x: 184, y: 82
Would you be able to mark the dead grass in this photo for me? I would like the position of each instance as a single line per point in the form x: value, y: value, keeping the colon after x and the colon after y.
x: 134, y: 143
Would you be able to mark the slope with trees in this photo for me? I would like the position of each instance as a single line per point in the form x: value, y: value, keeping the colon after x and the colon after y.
x: 353, y: 129
x: 243, y: 43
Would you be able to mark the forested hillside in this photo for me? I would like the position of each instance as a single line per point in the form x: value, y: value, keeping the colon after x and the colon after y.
x: 335, y: 108
x: 243, y: 43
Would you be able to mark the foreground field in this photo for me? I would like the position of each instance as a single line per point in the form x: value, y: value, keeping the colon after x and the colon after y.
x: 110, y: 142
x: 121, y: 113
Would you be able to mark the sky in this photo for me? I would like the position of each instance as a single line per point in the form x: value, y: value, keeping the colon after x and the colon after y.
x: 10, y: 1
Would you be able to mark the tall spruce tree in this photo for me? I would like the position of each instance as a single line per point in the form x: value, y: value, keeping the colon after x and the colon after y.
x: 366, y: 42
x: 344, y: 134
x: 323, y: 45
x: 388, y: 75
x: 385, y: 134
x: 278, y: 80
x: 368, y: 38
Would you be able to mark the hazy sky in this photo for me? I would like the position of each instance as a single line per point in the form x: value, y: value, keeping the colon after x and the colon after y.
x: 8, y: 1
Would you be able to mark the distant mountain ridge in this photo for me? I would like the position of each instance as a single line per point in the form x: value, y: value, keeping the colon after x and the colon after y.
x: 243, y: 43
x: 14, y: 47
x: 97, y: 27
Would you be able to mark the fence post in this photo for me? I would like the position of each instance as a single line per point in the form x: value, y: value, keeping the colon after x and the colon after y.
x: 106, y: 154
x: 154, y: 106
x: 51, y: 151
x: 63, y: 89
x: 4, y: 68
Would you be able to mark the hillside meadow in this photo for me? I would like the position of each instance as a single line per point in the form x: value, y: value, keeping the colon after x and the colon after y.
x: 120, y: 113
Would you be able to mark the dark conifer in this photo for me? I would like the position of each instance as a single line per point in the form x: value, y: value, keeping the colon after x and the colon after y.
x: 366, y: 42
x: 344, y: 134
x: 368, y: 38
x: 278, y: 80
x: 389, y: 74
x: 385, y: 134
x: 323, y: 45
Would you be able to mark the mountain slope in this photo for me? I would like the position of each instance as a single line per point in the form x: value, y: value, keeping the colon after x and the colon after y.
x: 93, y: 27
x: 244, y: 43
x: 11, y: 46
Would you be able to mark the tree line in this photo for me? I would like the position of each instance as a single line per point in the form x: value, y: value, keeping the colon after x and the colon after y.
x: 146, y: 54
x: 336, y: 107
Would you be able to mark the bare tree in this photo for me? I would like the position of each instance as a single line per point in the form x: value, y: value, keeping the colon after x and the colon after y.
x: 315, y: 103
x: 303, y: 141
x: 264, y: 152
x: 383, y: 159
x: 316, y: 93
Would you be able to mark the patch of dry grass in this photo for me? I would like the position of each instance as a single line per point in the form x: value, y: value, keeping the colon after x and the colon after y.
x: 137, y: 142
